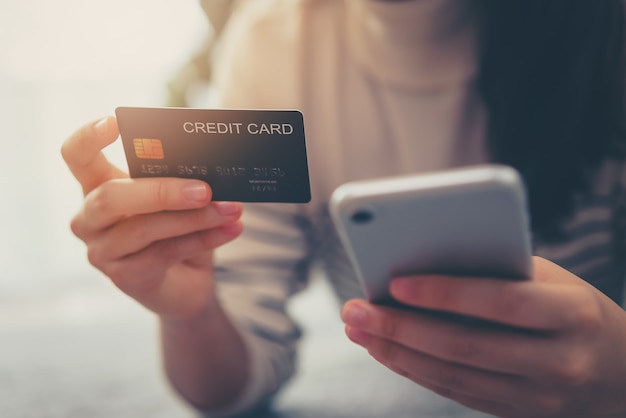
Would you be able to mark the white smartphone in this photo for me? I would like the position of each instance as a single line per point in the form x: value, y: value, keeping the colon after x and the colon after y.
x: 470, y: 221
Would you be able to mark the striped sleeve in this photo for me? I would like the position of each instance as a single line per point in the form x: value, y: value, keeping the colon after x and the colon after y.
x: 255, y: 276
x: 593, y: 245
x: 258, y: 272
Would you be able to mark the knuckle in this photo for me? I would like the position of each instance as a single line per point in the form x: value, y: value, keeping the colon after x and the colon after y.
x: 389, y: 327
x: 139, y: 229
x: 167, y: 251
x: 386, y: 352
x: 134, y: 278
x: 511, y: 302
x: 575, y: 370
x: 206, y: 239
x: 76, y: 226
x: 203, y: 218
x: 95, y: 255
x: 98, y: 200
x: 588, y: 316
x: 118, y: 273
x: 161, y: 194
x: 209, y: 239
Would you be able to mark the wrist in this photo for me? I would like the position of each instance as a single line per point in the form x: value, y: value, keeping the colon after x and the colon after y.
x: 208, y: 312
x: 204, y: 356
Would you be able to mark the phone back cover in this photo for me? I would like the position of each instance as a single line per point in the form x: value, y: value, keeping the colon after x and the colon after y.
x: 471, y: 229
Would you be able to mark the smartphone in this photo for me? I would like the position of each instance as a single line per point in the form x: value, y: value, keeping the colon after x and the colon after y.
x: 470, y: 221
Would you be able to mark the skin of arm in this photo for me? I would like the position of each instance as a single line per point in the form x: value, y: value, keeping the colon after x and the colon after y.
x: 154, y: 238
x: 204, y: 357
x: 557, y: 349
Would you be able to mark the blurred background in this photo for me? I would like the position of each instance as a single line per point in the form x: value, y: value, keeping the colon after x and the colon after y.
x: 70, y: 344
x: 62, y: 64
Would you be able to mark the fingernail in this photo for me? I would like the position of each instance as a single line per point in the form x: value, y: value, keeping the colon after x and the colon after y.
x: 355, y: 316
x: 195, y: 192
x: 101, y: 126
x: 227, y: 208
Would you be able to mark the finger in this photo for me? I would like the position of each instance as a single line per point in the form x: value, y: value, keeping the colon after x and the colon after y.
x: 118, y: 199
x: 138, y: 232
x: 449, y: 379
x: 491, y: 406
x: 540, y: 306
x: 500, y: 394
x: 499, y: 350
x: 142, y: 272
x: 82, y: 153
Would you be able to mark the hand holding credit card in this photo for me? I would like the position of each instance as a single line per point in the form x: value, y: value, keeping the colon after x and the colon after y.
x: 244, y: 155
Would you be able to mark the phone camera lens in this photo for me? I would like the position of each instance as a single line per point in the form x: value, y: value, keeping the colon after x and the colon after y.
x: 362, y: 216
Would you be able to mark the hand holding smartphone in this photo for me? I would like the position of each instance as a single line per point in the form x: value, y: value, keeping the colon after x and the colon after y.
x: 470, y: 221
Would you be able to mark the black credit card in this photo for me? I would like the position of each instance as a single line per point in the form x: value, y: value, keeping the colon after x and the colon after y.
x: 244, y: 155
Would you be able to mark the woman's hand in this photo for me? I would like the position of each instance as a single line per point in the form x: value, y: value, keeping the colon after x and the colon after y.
x: 154, y: 236
x: 558, y: 349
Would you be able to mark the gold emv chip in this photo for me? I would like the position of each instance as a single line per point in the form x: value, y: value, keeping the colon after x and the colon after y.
x: 148, y: 148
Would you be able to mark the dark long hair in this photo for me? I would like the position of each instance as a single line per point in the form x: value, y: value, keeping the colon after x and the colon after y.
x: 553, y: 78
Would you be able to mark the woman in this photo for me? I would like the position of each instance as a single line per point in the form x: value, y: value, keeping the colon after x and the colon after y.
x: 393, y: 87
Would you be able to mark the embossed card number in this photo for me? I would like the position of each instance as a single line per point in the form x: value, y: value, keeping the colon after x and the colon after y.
x: 245, y: 155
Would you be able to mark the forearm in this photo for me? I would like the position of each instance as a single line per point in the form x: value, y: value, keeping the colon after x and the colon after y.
x: 205, y: 357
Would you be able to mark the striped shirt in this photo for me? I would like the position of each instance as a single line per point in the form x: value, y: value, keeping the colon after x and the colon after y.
x: 385, y: 88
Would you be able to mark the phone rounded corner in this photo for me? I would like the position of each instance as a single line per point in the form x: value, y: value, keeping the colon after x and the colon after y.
x: 338, y: 198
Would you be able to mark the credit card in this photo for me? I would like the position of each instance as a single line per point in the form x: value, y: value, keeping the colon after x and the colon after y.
x: 244, y: 155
